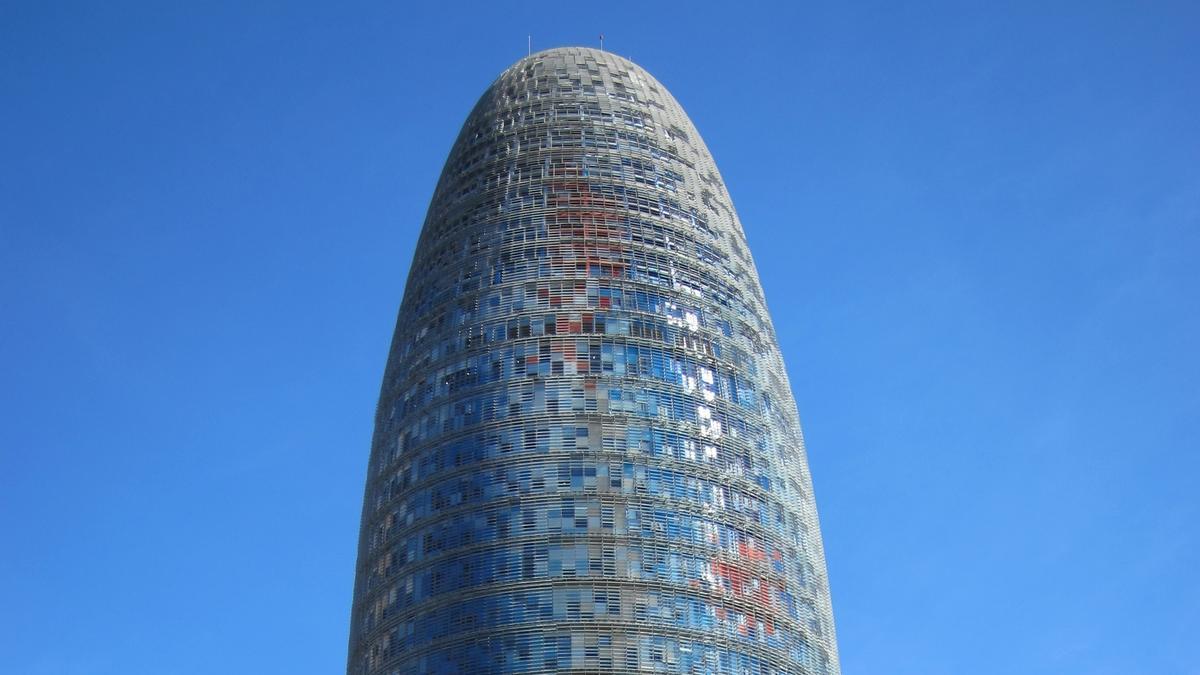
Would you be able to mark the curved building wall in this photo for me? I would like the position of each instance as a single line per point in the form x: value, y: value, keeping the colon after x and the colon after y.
x: 586, y: 456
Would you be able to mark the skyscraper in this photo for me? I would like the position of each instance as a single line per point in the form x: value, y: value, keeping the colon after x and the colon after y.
x: 587, y: 457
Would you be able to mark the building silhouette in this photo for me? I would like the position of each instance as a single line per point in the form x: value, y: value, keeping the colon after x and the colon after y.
x: 587, y: 457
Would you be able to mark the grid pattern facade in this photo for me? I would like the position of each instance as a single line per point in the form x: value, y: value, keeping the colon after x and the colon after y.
x: 587, y: 457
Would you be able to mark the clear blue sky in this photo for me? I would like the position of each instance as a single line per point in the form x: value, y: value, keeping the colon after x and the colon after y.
x: 978, y: 226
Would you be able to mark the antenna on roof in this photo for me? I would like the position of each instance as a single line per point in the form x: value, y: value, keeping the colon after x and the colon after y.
x: 529, y: 45
x: 602, y: 42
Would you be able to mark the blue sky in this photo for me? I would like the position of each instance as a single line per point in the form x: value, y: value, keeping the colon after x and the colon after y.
x: 978, y: 227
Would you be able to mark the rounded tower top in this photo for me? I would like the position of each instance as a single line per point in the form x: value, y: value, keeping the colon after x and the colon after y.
x: 572, y: 49
x: 575, y: 55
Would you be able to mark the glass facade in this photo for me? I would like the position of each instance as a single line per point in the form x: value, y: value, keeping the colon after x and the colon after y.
x: 586, y: 457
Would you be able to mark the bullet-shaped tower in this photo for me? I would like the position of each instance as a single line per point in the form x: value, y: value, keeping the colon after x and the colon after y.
x: 587, y: 457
